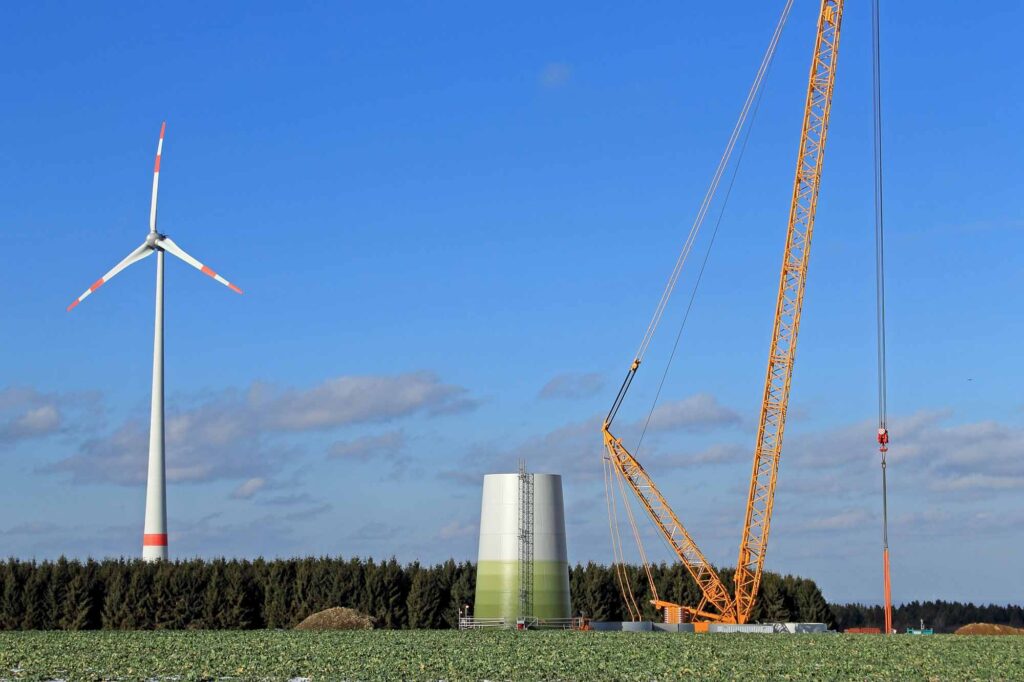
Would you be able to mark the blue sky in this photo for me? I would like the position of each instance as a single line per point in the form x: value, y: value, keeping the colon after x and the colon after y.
x: 452, y: 224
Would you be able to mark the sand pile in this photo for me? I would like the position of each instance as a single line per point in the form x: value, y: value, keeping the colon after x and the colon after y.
x: 988, y: 629
x: 338, y: 618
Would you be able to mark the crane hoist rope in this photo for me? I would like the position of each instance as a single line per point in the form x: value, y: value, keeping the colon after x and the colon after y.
x: 883, y: 418
x: 716, y: 603
x: 702, y: 211
x: 703, y: 267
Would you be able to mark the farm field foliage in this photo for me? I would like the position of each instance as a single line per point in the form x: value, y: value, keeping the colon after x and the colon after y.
x: 451, y: 655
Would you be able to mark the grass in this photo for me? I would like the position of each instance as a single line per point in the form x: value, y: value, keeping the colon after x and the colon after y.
x: 447, y: 655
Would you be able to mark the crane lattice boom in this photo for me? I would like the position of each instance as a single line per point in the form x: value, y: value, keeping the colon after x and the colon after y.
x: 788, y: 307
x: 716, y: 603
x: 657, y: 507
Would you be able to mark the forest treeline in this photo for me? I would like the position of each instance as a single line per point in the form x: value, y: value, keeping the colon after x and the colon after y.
x: 279, y: 593
x: 239, y: 594
x: 941, y: 616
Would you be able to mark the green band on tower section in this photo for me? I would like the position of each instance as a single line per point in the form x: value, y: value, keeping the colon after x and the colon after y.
x: 497, y: 590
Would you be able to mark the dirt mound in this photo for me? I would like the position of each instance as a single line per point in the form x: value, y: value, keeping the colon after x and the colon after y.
x: 988, y: 629
x: 338, y: 618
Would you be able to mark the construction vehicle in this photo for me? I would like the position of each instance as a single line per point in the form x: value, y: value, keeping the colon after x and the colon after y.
x: 717, y: 604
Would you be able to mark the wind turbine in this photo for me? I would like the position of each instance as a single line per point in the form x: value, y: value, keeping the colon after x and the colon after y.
x: 154, y: 538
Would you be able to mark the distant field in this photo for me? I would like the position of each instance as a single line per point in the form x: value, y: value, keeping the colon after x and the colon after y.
x: 447, y: 655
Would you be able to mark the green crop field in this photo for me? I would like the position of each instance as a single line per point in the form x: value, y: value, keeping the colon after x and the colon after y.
x: 447, y: 655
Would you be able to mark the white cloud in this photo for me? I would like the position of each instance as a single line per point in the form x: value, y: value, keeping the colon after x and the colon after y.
x: 978, y: 456
x: 457, y: 529
x: 841, y: 520
x: 718, y: 453
x: 978, y: 482
x: 249, y: 488
x: 573, y: 450
x: 700, y: 412
x: 26, y: 413
x: 386, y: 446
x: 235, y: 435
x: 573, y: 385
x: 355, y: 399
x: 576, y: 450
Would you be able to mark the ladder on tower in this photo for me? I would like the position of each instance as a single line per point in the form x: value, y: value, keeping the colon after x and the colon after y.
x: 525, y: 545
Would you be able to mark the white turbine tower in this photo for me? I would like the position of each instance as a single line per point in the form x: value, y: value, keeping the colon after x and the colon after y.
x: 154, y: 537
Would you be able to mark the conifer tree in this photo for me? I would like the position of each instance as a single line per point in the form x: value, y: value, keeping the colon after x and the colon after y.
x: 4, y: 572
x: 187, y: 589
x: 12, y: 604
x: 56, y: 591
x: 214, y: 608
x: 396, y: 592
x: 139, y: 598
x: 240, y: 598
x: 36, y: 609
x: 461, y: 594
x: 812, y: 605
x: 277, y: 602
x: 163, y: 597
x: 425, y: 600
x: 78, y: 602
x: 347, y: 583
x: 304, y: 598
x: 370, y: 598
x: 116, y: 612
x: 772, y: 602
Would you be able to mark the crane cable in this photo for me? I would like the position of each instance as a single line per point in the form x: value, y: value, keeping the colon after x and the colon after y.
x: 700, y: 273
x: 715, y: 180
x: 618, y: 557
x: 752, y: 101
x: 682, y: 325
x: 883, y: 429
x: 701, y: 213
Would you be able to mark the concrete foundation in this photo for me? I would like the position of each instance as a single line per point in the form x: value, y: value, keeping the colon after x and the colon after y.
x: 736, y: 627
x: 638, y: 626
x: 800, y: 628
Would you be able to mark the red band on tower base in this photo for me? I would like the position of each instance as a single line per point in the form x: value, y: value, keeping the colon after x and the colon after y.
x: 154, y: 539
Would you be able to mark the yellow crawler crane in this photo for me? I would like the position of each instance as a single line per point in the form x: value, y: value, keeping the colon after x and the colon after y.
x: 716, y: 603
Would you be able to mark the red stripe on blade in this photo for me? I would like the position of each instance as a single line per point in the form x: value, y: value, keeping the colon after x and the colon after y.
x: 234, y: 288
x: 96, y: 285
x: 207, y: 271
x: 156, y: 166
x: 73, y: 304
x: 154, y: 540
x: 163, y: 127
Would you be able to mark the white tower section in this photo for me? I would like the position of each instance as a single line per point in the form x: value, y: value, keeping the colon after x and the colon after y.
x: 498, y: 593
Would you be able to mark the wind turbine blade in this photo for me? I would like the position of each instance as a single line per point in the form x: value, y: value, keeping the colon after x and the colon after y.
x: 170, y: 247
x: 136, y: 255
x: 156, y: 177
